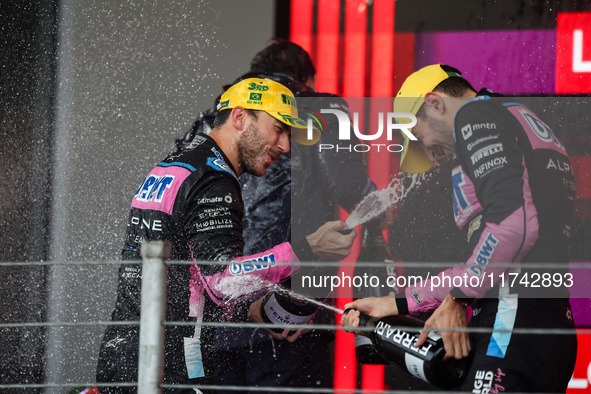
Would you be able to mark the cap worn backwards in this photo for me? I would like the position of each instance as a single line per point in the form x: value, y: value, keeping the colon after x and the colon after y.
x: 273, y: 98
x: 409, y: 99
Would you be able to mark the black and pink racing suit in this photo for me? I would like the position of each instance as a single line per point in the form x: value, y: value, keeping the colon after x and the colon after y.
x: 513, y: 195
x: 193, y: 200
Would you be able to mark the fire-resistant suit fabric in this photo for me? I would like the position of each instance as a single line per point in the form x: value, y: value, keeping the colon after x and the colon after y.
x: 513, y: 193
x: 193, y: 200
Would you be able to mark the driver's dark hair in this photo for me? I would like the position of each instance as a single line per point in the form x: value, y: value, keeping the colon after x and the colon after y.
x: 284, y: 56
x: 452, y: 86
x: 223, y: 116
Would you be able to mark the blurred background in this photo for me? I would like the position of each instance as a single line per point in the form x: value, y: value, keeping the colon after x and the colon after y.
x: 94, y: 93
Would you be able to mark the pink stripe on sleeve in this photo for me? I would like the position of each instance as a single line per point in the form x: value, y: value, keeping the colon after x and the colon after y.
x: 160, y: 188
x: 244, y: 277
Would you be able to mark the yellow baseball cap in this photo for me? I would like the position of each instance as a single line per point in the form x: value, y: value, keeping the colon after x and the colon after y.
x: 273, y: 98
x: 409, y: 99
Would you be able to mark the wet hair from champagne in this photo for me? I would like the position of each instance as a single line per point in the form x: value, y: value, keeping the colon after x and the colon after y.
x: 452, y: 86
x: 223, y: 116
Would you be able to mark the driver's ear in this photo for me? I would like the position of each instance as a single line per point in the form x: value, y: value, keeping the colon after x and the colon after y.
x: 238, y: 116
x: 434, y: 101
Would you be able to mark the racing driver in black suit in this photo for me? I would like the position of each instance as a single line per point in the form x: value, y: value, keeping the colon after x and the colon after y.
x: 193, y: 200
x: 513, y: 195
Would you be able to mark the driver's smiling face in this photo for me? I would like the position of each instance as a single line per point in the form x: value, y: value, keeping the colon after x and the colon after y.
x: 435, y: 138
x: 263, y: 142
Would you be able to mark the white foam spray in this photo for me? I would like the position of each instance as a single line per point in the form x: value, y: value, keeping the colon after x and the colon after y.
x: 372, y: 206
x: 378, y: 201
x: 320, y: 304
x: 238, y: 287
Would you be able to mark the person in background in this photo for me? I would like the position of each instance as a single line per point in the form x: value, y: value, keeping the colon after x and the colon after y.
x: 193, y: 200
x: 513, y: 192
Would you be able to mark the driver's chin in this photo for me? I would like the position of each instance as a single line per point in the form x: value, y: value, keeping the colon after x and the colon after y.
x: 261, y: 168
x: 258, y: 172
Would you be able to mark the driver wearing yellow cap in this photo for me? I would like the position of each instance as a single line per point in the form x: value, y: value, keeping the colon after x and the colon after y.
x: 193, y: 200
x: 513, y: 193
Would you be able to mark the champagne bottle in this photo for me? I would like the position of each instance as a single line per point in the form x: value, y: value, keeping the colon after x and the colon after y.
x: 281, y: 307
x: 366, y: 353
x: 426, y: 362
x: 375, y: 250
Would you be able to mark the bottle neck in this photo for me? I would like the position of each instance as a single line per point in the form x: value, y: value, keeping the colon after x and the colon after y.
x: 372, y: 237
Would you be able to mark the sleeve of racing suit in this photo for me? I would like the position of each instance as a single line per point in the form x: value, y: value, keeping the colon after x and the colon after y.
x: 492, y: 202
x: 214, y: 227
x: 342, y: 169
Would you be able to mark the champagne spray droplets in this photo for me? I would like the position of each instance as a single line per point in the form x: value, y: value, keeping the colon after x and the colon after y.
x: 378, y: 201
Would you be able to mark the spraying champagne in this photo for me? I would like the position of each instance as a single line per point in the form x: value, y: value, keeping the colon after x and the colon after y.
x: 425, y: 362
